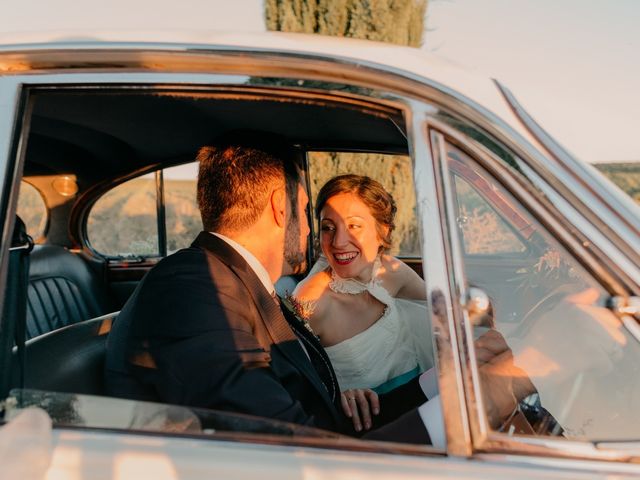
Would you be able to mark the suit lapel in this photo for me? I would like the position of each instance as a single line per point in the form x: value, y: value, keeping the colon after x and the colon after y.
x: 315, y: 350
x: 281, y: 334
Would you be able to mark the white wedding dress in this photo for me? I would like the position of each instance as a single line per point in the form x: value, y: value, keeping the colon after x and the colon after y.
x: 393, y: 350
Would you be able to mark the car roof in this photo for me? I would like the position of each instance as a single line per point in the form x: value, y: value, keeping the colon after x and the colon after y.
x: 31, y: 52
x: 410, y: 62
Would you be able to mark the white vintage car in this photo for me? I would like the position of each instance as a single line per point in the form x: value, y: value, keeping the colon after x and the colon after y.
x: 98, y: 135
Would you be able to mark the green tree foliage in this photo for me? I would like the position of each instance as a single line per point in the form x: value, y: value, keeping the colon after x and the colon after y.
x: 393, y: 21
x: 625, y: 175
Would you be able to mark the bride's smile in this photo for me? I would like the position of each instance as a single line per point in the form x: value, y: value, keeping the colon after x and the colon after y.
x: 345, y: 258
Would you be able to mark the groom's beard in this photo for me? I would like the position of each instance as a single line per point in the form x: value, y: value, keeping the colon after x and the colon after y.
x: 294, y: 253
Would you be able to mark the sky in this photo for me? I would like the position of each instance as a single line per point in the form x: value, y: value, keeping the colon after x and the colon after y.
x: 573, y: 64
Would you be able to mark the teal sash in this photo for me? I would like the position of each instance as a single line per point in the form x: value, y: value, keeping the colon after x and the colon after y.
x: 395, y: 382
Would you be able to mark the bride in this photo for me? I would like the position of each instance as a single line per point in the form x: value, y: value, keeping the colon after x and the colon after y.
x: 367, y: 308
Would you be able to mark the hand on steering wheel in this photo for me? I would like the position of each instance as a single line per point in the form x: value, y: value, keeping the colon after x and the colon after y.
x: 505, y: 388
x: 503, y: 384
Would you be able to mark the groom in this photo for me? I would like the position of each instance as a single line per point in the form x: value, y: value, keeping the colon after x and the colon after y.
x: 205, y: 329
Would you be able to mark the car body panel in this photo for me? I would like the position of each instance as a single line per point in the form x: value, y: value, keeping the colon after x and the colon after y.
x: 406, y: 61
x: 101, y: 455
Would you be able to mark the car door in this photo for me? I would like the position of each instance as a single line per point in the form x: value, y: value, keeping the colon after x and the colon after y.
x: 519, y: 266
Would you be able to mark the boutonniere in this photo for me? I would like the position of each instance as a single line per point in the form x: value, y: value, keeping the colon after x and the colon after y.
x: 301, y: 309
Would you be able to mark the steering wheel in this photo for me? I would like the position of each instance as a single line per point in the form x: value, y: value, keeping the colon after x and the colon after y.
x: 544, y: 305
x: 530, y: 418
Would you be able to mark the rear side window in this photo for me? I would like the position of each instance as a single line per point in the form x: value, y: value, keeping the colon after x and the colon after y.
x: 124, y: 221
x: 32, y: 210
x: 181, y: 208
x: 129, y: 221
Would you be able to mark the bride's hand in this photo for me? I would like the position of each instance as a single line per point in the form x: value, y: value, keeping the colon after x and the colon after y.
x: 359, y: 404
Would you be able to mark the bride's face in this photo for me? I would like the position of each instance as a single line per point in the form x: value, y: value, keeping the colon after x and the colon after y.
x: 348, y: 236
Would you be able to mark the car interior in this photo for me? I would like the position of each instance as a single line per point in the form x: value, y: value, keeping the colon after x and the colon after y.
x: 102, y: 137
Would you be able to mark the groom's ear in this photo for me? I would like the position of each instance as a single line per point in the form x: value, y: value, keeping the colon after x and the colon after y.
x: 278, y: 204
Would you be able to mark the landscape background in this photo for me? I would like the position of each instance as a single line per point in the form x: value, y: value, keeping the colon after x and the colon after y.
x: 124, y: 222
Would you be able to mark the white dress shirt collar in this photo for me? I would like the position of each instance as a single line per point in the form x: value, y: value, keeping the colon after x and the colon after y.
x: 253, y: 262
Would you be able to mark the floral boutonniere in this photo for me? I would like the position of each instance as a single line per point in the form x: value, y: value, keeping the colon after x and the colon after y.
x: 302, y: 309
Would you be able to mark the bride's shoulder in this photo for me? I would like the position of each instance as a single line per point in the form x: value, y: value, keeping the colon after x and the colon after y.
x: 392, y: 269
x: 394, y: 264
x: 397, y: 276
x: 390, y: 262
x: 314, y: 283
x: 309, y: 300
x: 312, y: 288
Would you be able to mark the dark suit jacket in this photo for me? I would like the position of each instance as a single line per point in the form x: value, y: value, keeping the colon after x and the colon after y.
x: 201, y: 330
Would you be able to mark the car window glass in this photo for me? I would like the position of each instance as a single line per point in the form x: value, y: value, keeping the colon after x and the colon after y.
x: 182, y: 215
x: 77, y: 410
x: 573, y: 356
x: 484, y: 232
x: 394, y: 172
x: 32, y: 210
x: 123, y: 222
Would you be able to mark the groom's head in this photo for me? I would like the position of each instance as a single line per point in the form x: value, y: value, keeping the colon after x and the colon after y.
x: 241, y: 175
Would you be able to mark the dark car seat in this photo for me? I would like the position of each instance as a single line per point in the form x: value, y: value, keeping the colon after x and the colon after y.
x: 63, y: 290
x: 77, y: 353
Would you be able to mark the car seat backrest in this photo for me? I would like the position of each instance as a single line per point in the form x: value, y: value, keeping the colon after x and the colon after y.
x: 63, y: 290
x: 68, y: 360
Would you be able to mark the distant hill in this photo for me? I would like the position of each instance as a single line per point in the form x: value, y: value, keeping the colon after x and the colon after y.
x: 625, y: 175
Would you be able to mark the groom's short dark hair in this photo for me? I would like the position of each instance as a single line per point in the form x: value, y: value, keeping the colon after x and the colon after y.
x: 237, y: 173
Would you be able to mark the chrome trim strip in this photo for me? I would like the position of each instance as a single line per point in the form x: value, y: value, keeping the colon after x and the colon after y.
x: 464, y: 334
x: 632, y: 326
x: 571, y: 468
x: 437, y: 278
x: 559, y: 449
x: 9, y: 102
x: 610, y: 203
